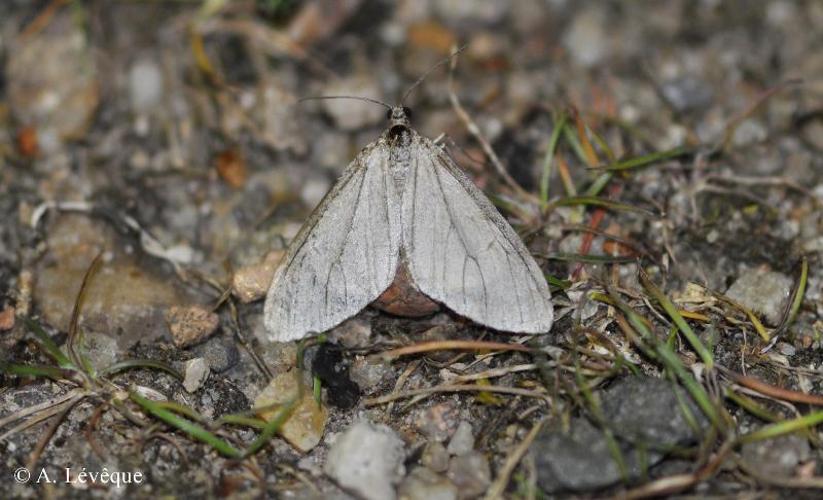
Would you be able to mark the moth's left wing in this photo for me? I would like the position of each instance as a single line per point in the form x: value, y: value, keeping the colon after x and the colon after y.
x: 462, y: 252
x: 344, y: 256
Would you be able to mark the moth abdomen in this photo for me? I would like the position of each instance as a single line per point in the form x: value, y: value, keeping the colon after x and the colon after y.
x: 402, y: 298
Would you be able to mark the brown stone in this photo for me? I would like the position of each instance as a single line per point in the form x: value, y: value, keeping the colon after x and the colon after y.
x: 251, y: 283
x: 304, y: 427
x: 122, y: 297
x: 190, y: 325
x: 232, y: 168
x: 7, y: 319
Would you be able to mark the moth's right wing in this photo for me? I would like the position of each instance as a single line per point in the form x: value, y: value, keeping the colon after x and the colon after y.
x: 344, y: 256
x: 464, y: 254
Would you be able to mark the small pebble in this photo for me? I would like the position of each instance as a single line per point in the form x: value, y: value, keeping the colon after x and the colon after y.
x: 190, y: 325
x: 423, y: 484
x: 304, y: 427
x: 367, y: 460
x: 354, y: 333
x: 470, y: 473
x: 231, y: 167
x: 6, y: 319
x: 586, y: 39
x: 282, y: 123
x: 687, y: 93
x: 777, y: 457
x: 764, y: 292
x: 462, y: 441
x: 220, y: 354
x: 251, y: 283
x: 196, y: 372
x: 367, y: 373
x: 328, y: 150
x: 438, y: 422
x: 749, y: 132
x: 279, y: 356
x: 145, y: 85
x: 786, y: 349
x: 435, y: 457
x: 99, y: 349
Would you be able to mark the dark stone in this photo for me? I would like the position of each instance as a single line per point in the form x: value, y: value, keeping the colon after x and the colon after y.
x: 648, y: 410
x: 645, y: 417
x: 221, y: 354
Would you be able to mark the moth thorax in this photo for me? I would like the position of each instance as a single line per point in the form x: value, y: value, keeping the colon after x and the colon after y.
x: 399, y: 135
x: 400, y: 159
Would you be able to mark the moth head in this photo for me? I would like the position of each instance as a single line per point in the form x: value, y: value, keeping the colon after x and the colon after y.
x: 399, y: 115
x: 399, y: 120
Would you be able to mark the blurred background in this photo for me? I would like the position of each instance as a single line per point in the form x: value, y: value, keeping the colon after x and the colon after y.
x: 185, y: 113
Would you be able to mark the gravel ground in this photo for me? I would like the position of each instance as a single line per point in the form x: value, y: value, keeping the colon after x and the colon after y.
x: 661, y: 160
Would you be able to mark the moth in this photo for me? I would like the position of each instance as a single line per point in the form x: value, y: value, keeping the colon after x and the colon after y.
x: 404, y: 209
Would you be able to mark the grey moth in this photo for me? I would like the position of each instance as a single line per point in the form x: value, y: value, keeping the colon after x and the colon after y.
x: 404, y: 207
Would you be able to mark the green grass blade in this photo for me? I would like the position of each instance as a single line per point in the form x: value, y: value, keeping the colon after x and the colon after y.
x: 642, y: 161
x: 600, y: 202
x: 75, y: 335
x: 51, y: 372
x: 800, y: 290
x: 599, y: 183
x: 678, y: 320
x: 570, y: 134
x: 666, y: 355
x: 317, y: 388
x: 546, y: 175
x: 181, y: 409
x: 557, y: 282
x: 696, y: 390
x: 588, y: 259
x: 785, y: 427
x: 194, y: 430
x: 639, y: 333
x: 88, y: 368
x: 132, y: 364
x: 271, y: 427
x: 603, y: 145
x: 672, y: 338
x: 751, y: 406
x: 48, y: 346
x: 256, y: 423
x: 683, y: 406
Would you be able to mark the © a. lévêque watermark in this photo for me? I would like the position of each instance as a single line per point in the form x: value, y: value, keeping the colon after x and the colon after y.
x: 78, y: 477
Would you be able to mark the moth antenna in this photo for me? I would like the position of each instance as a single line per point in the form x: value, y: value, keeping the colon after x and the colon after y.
x: 355, y: 97
x: 426, y: 74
